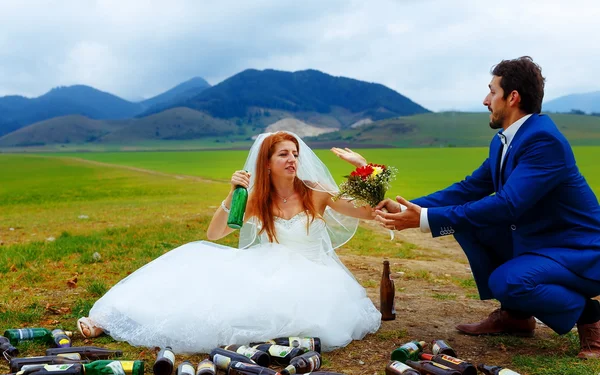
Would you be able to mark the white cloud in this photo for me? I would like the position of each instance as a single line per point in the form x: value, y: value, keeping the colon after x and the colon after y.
x: 436, y: 52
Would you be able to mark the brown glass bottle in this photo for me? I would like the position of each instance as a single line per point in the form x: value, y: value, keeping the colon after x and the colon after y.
x: 222, y: 358
x: 441, y: 347
x: 87, y: 352
x: 399, y: 368
x: 206, y: 367
x: 495, y: 370
x: 165, y: 362
x: 281, y: 355
x: 432, y: 368
x: 6, y: 348
x: 240, y: 368
x: 261, y: 358
x: 303, y: 364
x: 185, y: 368
x: 464, y: 367
x: 15, y: 364
x: 387, y: 292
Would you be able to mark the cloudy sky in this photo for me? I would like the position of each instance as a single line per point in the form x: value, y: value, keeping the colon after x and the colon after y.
x: 436, y: 52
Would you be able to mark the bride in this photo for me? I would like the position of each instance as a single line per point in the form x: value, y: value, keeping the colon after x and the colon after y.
x: 284, y: 280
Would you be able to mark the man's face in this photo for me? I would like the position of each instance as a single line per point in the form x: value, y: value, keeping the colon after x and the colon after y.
x: 496, y: 103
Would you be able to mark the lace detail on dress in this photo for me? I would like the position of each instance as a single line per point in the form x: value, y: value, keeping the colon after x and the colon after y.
x: 289, y: 223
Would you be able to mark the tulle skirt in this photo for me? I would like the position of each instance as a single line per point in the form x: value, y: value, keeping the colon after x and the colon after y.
x: 202, y: 295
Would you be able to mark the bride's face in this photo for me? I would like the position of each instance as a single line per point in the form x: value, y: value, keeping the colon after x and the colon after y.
x: 284, y: 161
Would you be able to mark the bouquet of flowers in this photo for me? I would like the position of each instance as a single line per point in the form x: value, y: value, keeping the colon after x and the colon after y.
x: 367, y: 185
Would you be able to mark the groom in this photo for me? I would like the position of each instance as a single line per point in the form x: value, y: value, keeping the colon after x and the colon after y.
x: 526, y: 218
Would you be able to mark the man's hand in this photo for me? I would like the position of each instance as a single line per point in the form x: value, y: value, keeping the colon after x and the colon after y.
x: 390, y: 205
x: 409, y: 218
x: 350, y: 156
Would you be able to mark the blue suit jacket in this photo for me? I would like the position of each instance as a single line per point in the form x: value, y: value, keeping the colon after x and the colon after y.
x: 540, y: 195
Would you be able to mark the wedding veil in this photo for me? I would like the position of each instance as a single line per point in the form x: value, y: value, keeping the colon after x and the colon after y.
x: 316, y: 176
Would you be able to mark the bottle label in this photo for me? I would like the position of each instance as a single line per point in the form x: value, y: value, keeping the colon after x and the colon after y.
x: 187, y: 369
x: 506, y: 371
x: 62, y: 367
x: 400, y: 366
x: 314, y: 362
x: 169, y: 355
x: 302, y: 342
x: 221, y: 361
x: 246, y: 351
x: 440, y: 366
x: 25, y: 333
x: 435, y: 349
x: 26, y: 367
x: 411, y: 347
x: 206, y: 365
x: 280, y: 351
x: 450, y: 359
x: 117, y: 367
x: 75, y: 356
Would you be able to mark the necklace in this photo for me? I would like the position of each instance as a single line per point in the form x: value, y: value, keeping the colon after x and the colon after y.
x: 285, y: 199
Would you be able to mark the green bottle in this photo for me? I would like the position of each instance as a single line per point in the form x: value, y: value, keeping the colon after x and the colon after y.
x: 58, y: 337
x: 114, y: 367
x: 235, y: 219
x: 410, y: 350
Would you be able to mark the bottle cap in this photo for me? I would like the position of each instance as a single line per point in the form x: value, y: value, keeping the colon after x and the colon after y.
x: 426, y: 356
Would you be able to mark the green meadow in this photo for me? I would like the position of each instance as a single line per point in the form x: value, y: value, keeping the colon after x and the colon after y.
x: 57, y: 210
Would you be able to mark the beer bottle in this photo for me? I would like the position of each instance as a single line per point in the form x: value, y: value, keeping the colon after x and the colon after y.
x: 440, y: 347
x: 495, y: 370
x: 399, y: 368
x: 206, y: 367
x: 185, y: 368
x: 261, y: 358
x: 387, y: 293
x: 222, y: 358
x: 306, y: 343
x: 57, y: 337
x: 303, y: 364
x: 63, y: 369
x: 410, y: 350
x: 464, y: 367
x: 432, y: 368
x: 15, y: 364
x: 165, y: 362
x: 87, y: 352
x: 6, y: 348
x: 280, y: 354
x: 235, y: 219
x: 114, y: 367
x: 241, y: 368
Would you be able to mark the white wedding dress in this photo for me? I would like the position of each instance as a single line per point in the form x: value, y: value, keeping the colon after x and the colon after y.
x: 202, y: 295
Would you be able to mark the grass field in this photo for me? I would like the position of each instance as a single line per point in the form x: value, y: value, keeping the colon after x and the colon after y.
x: 57, y: 211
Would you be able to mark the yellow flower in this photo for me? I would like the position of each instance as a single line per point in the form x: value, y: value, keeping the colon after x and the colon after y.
x: 376, y: 171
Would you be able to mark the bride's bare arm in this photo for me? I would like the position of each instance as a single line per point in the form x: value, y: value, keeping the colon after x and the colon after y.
x: 346, y: 207
x: 218, y: 228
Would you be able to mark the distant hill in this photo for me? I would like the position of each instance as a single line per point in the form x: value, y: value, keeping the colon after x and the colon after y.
x: 181, y: 92
x: 308, y: 91
x: 588, y: 103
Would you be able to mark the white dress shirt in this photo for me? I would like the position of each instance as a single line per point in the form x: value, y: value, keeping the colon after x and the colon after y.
x: 506, y: 138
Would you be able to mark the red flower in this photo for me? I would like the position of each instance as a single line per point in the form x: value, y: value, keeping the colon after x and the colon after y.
x: 363, y: 172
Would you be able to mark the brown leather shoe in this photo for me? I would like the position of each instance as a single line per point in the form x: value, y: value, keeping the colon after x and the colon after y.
x: 589, y: 340
x: 500, y: 321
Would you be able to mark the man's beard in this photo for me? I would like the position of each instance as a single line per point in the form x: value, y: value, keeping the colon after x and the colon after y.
x: 498, y: 121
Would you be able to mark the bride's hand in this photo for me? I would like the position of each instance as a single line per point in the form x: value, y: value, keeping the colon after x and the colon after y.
x: 350, y: 156
x: 241, y: 178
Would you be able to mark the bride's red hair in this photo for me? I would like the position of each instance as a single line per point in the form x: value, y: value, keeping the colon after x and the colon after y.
x: 262, y: 203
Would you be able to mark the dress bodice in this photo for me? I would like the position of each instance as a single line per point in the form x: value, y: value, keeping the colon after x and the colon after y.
x: 313, y: 241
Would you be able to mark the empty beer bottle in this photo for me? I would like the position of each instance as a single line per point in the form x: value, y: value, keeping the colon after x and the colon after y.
x: 63, y: 369
x: 15, y: 364
x: 165, y: 362
x: 431, y: 368
x: 495, y: 370
x: 306, y: 343
x: 440, y: 347
x: 280, y: 354
x: 6, y: 348
x: 114, y: 367
x: 261, y: 358
x: 410, y: 350
x: 185, y: 368
x: 387, y: 293
x: 303, y: 364
x: 464, y: 367
x: 206, y: 367
x: 235, y: 219
x: 240, y: 368
x: 87, y: 352
x: 399, y: 368
x: 222, y: 358
x: 57, y: 337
